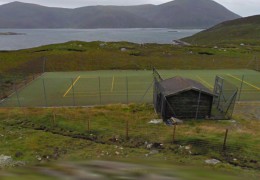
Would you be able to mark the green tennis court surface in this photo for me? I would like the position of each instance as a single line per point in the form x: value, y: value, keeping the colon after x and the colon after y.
x: 108, y: 87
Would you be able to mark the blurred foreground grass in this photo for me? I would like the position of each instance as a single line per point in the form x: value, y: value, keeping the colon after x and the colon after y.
x: 145, y: 170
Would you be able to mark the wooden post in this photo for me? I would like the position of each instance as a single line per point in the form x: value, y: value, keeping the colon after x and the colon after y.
x: 99, y: 89
x: 88, y: 124
x: 127, y: 129
x: 173, y: 133
x: 225, y: 140
x: 53, y: 120
x: 127, y: 90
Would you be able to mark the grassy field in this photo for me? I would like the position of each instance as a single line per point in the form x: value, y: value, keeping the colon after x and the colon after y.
x: 82, y: 56
x: 108, y: 87
x: 98, y: 73
x: 44, y: 135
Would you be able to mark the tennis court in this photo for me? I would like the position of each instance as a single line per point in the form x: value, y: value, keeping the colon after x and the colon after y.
x: 114, y: 86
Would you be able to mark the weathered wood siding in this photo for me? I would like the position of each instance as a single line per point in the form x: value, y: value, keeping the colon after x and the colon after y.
x: 185, y: 105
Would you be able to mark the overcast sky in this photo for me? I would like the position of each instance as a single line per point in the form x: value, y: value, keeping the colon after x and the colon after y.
x: 241, y: 7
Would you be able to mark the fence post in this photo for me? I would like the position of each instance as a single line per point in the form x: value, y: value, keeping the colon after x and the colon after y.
x: 173, y: 133
x: 225, y: 140
x: 44, y: 91
x: 88, y: 124
x: 17, y: 95
x: 73, y: 92
x: 197, y: 110
x: 53, y: 120
x: 126, y: 90
x: 127, y: 129
x: 99, y: 90
x: 241, y: 86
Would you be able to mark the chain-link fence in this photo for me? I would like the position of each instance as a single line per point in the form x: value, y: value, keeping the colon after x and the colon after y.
x: 78, y: 91
x: 99, y: 88
x: 224, y: 99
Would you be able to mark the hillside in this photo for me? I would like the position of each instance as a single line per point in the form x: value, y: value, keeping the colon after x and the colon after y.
x: 239, y: 31
x: 174, y: 14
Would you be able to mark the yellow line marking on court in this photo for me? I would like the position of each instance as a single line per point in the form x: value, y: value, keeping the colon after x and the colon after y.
x: 244, y: 82
x: 113, y: 82
x: 205, y: 82
x: 76, y: 80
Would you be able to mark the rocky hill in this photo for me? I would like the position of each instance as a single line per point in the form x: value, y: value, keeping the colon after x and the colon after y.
x: 174, y: 14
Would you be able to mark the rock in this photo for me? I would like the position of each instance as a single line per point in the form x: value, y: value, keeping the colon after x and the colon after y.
x: 38, y: 158
x: 155, y: 121
x: 157, y: 145
x: 5, y: 161
x: 212, y: 161
x: 176, y: 121
x: 188, y: 147
x: 117, y: 153
x: 123, y: 49
x: 102, y: 45
x: 154, y: 152
x: 149, y: 146
x: 18, y: 154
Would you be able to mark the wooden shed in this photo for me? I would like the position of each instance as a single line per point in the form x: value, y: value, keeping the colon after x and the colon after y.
x: 182, y: 98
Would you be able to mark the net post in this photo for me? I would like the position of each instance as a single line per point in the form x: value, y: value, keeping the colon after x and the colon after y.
x: 73, y: 92
x: 44, y: 92
x: 241, y: 86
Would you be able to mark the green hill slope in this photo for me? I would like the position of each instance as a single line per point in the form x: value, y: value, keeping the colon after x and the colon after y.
x: 242, y: 30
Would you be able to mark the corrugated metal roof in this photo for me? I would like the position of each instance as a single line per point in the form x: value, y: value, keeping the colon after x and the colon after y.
x: 178, y: 84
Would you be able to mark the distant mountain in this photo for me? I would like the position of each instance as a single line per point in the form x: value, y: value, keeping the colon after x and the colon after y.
x: 239, y: 31
x: 174, y: 14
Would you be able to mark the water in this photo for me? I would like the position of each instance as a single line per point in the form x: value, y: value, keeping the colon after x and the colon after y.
x: 37, y: 37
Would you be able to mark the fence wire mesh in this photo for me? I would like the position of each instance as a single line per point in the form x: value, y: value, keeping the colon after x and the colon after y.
x: 87, y: 89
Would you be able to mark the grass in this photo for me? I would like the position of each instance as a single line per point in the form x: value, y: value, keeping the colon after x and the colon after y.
x: 100, y: 133
x: 44, y: 135
x: 92, y: 56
